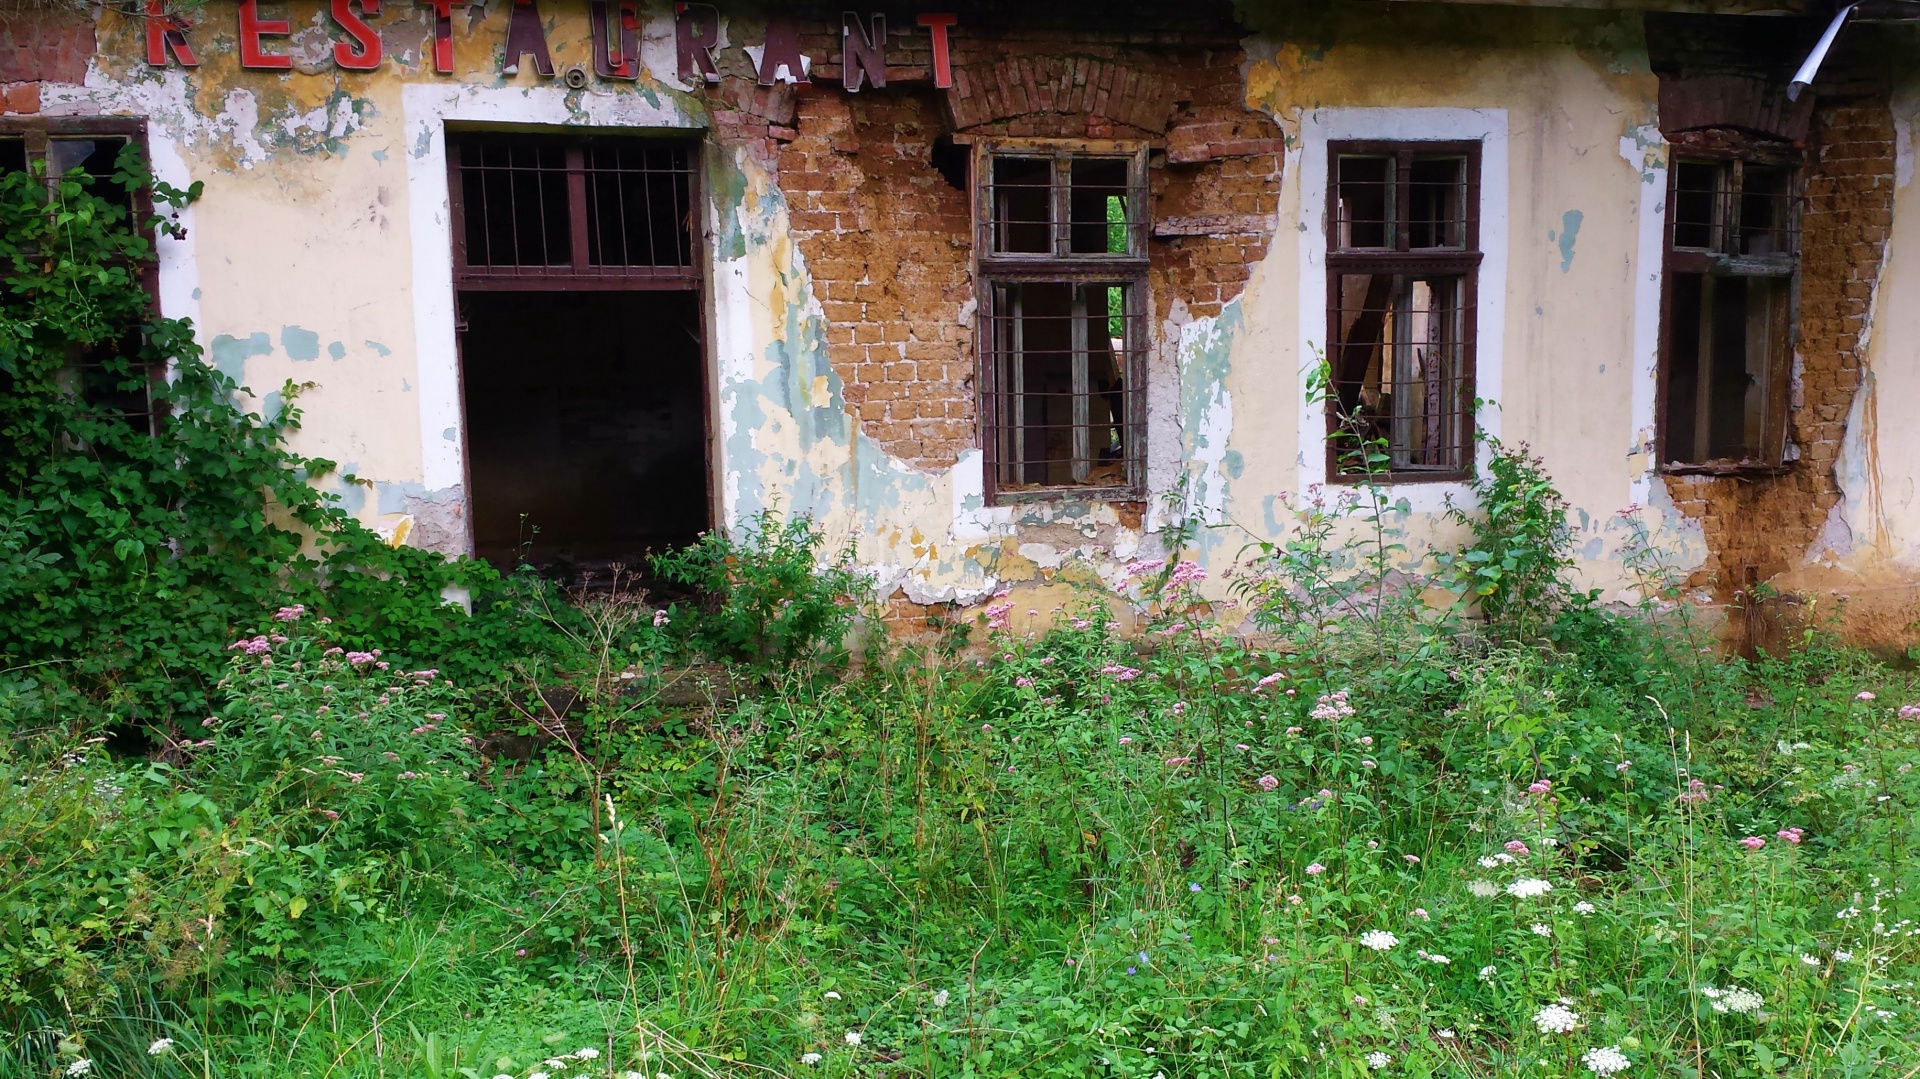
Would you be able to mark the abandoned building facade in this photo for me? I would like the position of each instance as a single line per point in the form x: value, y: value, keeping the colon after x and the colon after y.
x: 1006, y: 294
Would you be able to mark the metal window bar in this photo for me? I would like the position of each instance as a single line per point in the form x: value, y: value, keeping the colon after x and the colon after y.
x: 1063, y: 387
x: 536, y: 211
x: 1403, y: 372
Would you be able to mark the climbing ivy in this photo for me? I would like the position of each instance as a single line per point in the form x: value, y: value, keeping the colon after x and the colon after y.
x: 134, y: 550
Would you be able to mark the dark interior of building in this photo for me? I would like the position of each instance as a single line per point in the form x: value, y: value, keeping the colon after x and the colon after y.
x: 586, y: 434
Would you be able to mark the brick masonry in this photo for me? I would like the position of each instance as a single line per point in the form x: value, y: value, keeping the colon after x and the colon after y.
x: 41, y: 45
x: 879, y: 205
x: 1758, y: 527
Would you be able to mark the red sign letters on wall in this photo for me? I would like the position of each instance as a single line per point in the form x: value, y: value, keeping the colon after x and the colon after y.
x: 615, y: 32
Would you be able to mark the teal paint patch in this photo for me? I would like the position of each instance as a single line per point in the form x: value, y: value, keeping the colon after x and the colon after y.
x: 271, y: 406
x: 450, y: 435
x: 196, y: 293
x: 301, y: 344
x: 378, y: 347
x: 1569, y: 232
x: 1267, y: 506
x: 1234, y: 463
x: 230, y: 354
x: 337, y: 350
x: 727, y: 188
x: 1205, y: 410
x: 423, y: 145
x: 380, y: 156
x: 352, y: 496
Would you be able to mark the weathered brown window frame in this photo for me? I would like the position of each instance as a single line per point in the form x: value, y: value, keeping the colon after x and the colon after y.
x: 1403, y: 259
x: 995, y: 271
x: 579, y: 272
x: 37, y: 133
x: 1735, y: 149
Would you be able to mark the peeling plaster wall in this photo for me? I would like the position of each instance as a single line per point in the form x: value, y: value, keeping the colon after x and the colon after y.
x: 320, y: 254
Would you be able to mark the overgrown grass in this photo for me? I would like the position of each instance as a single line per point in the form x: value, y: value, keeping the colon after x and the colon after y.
x: 1070, y: 855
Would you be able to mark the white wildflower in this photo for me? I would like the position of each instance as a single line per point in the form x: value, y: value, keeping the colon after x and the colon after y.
x: 587, y: 1053
x: 538, y: 1075
x: 1439, y: 959
x: 1810, y: 960
x: 1843, y: 957
x: 809, y: 1059
x: 1606, y: 1060
x: 558, y: 1064
x: 1379, y: 940
x: 162, y: 1046
x: 1528, y: 888
x: 831, y: 995
x: 1486, y: 973
x: 1541, y: 929
x: 1584, y: 907
x: 1378, y: 1060
x: 80, y: 1067
x: 940, y: 999
x: 852, y: 1037
x: 1556, y: 1019
x: 1733, y: 999
x: 1485, y: 889
x: 1444, y: 1033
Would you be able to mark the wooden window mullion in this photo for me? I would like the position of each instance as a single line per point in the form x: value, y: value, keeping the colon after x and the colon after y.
x: 577, y: 205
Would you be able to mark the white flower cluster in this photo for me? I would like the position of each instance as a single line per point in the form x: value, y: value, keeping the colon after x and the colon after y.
x: 1528, y: 888
x: 1485, y: 889
x: 1732, y: 999
x: 1379, y: 940
x: 1378, y: 1060
x: 1556, y: 1019
x: 1495, y: 861
x: 1606, y: 1060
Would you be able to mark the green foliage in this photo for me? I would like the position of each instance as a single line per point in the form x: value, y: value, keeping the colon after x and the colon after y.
x: 767, y: 600
x: 131, y: 553
x: 1517, y: 563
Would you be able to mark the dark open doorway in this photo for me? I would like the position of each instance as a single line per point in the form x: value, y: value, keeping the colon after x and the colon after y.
x: 586, y: 441
x: 582, y: 365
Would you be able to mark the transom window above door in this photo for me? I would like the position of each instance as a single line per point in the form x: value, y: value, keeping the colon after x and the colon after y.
x: 576, y: 211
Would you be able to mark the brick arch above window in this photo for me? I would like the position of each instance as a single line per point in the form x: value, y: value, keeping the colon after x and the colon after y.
x: 1092, y: 87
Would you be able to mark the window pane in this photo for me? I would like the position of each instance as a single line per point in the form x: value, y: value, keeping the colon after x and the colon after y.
x: 514, y: 198
x: 13, y: 156
x: 1400, y: 384
x: 1097, y: 206
x: 95, y: 158
x: 1061, y: 379
x: 1699, y: 205
x: 1365, y: 202
x: 1726, y: 335
x: 1023, y: 205
x: 1437, y: 189
x: 1766, y: 211
x: 637, y: 204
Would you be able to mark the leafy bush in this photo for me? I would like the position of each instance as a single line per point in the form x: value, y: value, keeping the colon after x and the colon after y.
x: 1517, y: 565
x: 767, y: 599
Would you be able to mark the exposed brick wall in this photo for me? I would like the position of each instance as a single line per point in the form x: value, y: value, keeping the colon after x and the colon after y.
x: 1756, y: 528
x: 887, y: 235
x: 45, y: 45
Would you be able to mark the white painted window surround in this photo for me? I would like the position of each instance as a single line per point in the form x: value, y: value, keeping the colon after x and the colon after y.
x: 428, y: 108
x: 1318, y: 127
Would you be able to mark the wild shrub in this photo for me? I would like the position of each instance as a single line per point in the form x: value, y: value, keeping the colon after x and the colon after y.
x: 1516, y: 567
x: 767, y: 599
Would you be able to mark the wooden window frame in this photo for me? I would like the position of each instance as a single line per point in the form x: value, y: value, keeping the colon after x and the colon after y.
x: 1405, y: 260
x: 1129, y: 271
x: 578, y: 273
x: 1723, y: 147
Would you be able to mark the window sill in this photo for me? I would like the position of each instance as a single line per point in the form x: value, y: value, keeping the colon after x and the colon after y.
x: 1396, y: 479
x: 1028, y: 495
x: 1726, y: 468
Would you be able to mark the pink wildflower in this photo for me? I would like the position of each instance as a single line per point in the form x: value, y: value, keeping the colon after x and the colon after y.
x: 1864, y: 695
x: 1270, y: 680
x: 1540, y: 786
x: 1514, y: 846
x: 1791, y: 835
x: 1267, y: 782
x: 1316, y: 869
x: 1910, y: 711
x: 661, y: 618
x: 1753, y: 842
